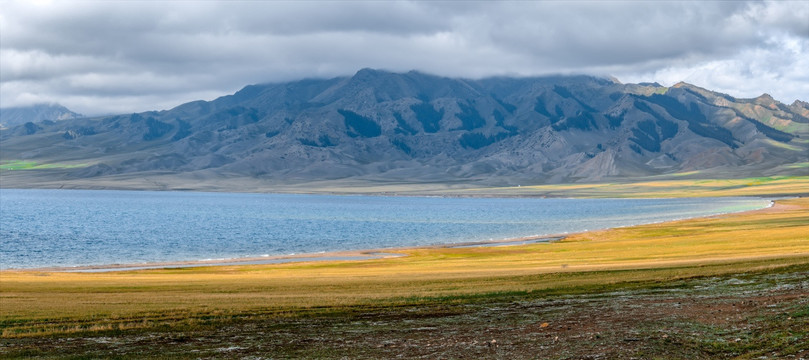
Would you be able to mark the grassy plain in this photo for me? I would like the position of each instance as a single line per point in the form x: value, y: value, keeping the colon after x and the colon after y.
x: 54, y: 302
x: 446, y: 285
x: 664, y: 188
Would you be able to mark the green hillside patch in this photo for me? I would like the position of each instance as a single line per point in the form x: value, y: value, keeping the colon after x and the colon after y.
x: 358, y: 125
x: 33, y: 165
x: 470, y: 117
x: 477, y: 141
x: 428, y: 116
x: 783, y: 146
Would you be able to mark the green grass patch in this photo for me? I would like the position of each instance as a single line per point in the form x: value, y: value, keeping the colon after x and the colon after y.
x: 783, y: 146
x: 800, y: 165
x: 12, y: 165
x: 764, y: 179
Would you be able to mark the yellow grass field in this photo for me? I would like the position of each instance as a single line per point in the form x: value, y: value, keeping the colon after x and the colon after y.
x: 758, y: 186
x: 45, y: 303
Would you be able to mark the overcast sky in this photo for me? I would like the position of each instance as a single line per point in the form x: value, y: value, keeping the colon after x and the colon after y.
x: 98, y: 57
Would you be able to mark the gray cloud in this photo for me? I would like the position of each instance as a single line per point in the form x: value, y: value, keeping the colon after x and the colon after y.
x: 116, y: 57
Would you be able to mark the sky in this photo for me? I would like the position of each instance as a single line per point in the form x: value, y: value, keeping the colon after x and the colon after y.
x: 105, y: 57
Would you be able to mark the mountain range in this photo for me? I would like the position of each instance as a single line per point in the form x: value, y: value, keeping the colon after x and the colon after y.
x: 13, y: 116
x: 379, y: 126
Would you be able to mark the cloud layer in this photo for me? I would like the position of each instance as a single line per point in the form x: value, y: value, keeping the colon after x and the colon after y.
x: 117, y: 57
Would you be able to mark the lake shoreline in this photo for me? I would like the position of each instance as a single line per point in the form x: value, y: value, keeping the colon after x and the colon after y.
x: 352, y: 255
x: 643, y: 187
x: 347, y: 255
x: 675, y: 289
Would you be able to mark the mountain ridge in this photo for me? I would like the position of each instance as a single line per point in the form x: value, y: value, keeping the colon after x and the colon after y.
x: 418, y: 128
x: 12, y: 116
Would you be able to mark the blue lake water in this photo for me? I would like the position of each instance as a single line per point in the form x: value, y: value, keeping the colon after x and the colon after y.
x: 43, y: 228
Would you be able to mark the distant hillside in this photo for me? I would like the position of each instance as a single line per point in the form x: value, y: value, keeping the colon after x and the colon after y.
x: 418, y: 128
x: 35, y: 113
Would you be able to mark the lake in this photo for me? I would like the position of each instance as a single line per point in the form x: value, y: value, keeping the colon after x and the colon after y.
x: 64, y: 228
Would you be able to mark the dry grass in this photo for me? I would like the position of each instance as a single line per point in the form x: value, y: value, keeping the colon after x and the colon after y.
x: 51, y: 303
x: 760, y: 186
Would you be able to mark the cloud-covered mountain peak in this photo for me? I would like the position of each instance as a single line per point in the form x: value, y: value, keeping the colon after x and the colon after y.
x: 35, y: 113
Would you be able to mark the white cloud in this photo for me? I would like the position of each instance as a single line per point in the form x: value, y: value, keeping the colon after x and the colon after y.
x: 780, y: 68
x: 123, y: 56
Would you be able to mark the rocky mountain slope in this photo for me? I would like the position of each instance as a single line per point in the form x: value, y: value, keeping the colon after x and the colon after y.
x: 418, y: 128
x: 13, y: 116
